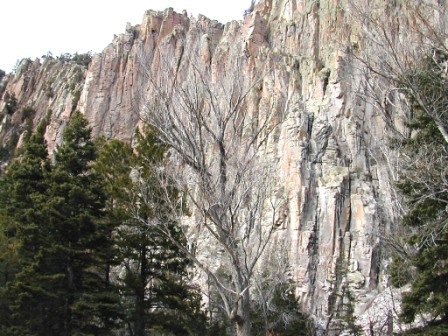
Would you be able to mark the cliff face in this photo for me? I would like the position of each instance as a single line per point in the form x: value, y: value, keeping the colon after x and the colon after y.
x: 52, y: 85
x: 329, y: 152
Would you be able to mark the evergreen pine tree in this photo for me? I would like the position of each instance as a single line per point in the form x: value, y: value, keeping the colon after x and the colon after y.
x: 423, y: 183
x: 113, y: 165
x: 427, y: 217
x: 156, y: 295
x: 64, y: 290
x: 21, y: 187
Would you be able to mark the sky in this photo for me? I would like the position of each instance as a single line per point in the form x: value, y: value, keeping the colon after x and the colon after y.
x: 31, y: 28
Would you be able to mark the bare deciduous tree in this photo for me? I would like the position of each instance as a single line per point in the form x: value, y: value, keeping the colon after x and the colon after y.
x: 403, y: 57
x: 402, y: 54
x: 395, y: 41
x: 219, y: 128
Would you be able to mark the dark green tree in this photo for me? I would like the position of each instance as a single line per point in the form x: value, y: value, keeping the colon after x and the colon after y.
x: 114, y: 164
x: 64, y: 290
x: 21, y: 186
x: 427, y: 216
x: 156, y: 295
x: 423, y: 182
x: 11, y: 103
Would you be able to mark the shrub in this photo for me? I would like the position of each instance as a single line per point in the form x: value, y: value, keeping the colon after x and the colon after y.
x: 28, y: 113
x: 11, y: 103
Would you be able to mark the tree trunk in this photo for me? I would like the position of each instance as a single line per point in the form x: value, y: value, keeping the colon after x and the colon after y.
x: 243, y: 320
x: 243, y: 327
x: 140, y: 316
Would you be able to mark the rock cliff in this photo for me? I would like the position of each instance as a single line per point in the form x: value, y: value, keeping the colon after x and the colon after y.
x: 330, y: 150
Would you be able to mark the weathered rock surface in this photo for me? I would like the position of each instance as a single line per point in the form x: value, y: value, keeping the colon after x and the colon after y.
x: 329, y: 150
x: 52, y: 85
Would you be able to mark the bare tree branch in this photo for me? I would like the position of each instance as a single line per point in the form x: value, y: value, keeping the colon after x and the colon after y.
x: 217, y: 160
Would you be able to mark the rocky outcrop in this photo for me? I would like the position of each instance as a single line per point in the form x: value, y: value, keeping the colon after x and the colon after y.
x: 52, y: 86
x: 329, y: 151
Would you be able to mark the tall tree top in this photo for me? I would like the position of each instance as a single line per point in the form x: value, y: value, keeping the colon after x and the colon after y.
x: 78, y: 149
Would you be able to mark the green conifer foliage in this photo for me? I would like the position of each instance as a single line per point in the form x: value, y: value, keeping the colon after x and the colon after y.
x: 156, y: 296
x: 64, y: 290
x: 21, y: 187
x: 423, y: 182
x: 113, y: 165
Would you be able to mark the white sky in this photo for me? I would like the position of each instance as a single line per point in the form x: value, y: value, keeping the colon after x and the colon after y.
x: 31, y: 28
